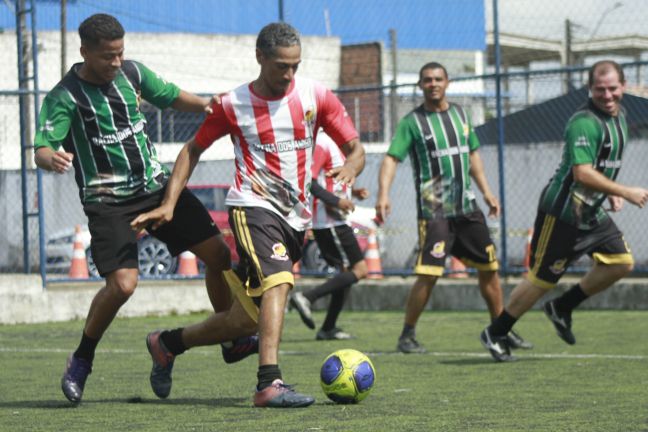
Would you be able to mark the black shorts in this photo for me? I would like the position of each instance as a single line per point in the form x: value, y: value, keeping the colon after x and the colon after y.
x: 556, y: 244
x: 267, y: 247
x: 114, y: 243
x: 338, y: 246
x: 466, y: 237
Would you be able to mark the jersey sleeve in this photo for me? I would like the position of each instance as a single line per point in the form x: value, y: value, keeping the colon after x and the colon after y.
x: 215, y: 126
x: 402, y: 140
x: 334, y: 118
x: 54, y: 119
x: 473, y: 140
x: 156, y: 89
x: 582, y: 138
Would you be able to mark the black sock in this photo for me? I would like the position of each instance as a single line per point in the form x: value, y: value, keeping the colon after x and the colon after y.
x: 408, y: 331
x: 266, y: 375
x: 86, y: 349
x: 334, y: 309
x: 502, y: 324
x: 337, y: 283
x: 570, y: 299
x: 173, y: 341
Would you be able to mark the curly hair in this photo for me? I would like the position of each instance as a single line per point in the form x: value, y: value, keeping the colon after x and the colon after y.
x: 276, y: 35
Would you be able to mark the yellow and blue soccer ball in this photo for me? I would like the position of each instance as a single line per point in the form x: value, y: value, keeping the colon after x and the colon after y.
x: 347, y: 376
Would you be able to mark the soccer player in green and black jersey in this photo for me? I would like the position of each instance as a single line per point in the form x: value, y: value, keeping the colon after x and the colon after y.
x: 442, y: 145
x: 571, y: 220
x: 91, y: 120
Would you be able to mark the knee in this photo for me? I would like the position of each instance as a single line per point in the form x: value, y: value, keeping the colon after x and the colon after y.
x: 621, y: 270
x: 219, y: 257
x: 360, y: 270
x: 123, y: 286
x: 242, y: 324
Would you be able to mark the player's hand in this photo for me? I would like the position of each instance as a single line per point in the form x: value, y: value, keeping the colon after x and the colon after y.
x: 155, y: 218
x: 215, y: 100
x: 346, y: 205
x: 637, y: 196
x: 616, y: 203
x: 383, y: 209
x: 360, y: 193
x: 61, y: 162
x: 343, y: 174
x: 493, y: 205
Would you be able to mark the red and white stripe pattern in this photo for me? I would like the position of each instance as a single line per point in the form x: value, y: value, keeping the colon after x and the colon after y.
x: 326, y: 157
x: 273, y: 144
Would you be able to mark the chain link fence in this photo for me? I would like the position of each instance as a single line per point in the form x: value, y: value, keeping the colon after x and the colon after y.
x: 544, y: 57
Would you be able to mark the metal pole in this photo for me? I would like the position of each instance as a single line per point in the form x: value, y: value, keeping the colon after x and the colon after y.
x: 500, y: 138
x: 281, y: 10
x: 393, y: 96
x: 22, y: 103
x: 39, y: 173
x: 63, y: 38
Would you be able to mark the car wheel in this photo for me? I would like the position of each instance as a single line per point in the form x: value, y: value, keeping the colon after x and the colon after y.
x: 155, y: 259
x: 312, y: 260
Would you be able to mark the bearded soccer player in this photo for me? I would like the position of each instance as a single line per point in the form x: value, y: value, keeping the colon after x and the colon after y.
x: 93, y: 115
x: 443, y: 148
x: 571, y: 220
x: 273, y: 122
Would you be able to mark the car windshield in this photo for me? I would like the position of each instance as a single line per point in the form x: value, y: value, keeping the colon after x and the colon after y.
x: 212, y: 198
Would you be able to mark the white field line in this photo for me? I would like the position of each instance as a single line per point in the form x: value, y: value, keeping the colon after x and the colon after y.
x: 519, y: 354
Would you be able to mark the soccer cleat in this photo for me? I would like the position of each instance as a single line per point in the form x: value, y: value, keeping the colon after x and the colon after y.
x: 409, y: 345
x: 561, y: 321
x: 162, y: 365
x: 240, y: 348
x: 74, y: 378
x: 333, y: 334
x: 303, y: 306
x: 515, y: 341
x: 497, y: 346
x: 280, y: 395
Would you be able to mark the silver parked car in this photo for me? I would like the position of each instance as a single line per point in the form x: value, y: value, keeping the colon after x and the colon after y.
x: 154, y: 257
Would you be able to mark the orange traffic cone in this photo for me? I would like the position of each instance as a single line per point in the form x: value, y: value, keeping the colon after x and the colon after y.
x: 297, y: 270
x: 457, y: 269
x: 372, y: 256
x: 188, y: 265
x: 527, y: 253
x: 79, y: 264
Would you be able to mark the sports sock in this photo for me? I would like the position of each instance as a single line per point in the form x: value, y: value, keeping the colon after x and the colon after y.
x: 334, y: 309
x: 173, y: 341
x: 86, y: 349
x: 408, y: 331
x: 502, y: 324
x: 267, y: 374
x: 337, y: 283
x: 570, y: 299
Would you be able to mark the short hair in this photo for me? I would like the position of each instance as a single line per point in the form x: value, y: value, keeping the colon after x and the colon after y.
x: 100, y: 27
x: 274, y: 35
x: 432, y: 65
x: 603, y: 66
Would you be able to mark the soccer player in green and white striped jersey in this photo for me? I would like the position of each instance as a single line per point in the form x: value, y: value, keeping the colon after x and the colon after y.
x: 92, y: 120
x: 439, y: 138
x: 571, y: 220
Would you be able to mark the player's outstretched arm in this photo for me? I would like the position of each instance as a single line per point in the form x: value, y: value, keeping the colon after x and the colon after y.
x: 477, y: 173
x: 586, y: 175
x: 190, y: 102
x: 182, y: 169
x: 50, y: 160
x: 385, y: 179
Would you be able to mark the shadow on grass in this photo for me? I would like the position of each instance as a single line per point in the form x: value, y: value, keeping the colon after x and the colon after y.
x: 485, y: 360
x: 242, y: 402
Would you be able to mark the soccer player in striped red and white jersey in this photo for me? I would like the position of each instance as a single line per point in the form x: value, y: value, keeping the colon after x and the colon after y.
x: 273, y: 122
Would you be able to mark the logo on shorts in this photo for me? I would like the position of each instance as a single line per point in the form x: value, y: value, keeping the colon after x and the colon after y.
x: 558, y: 267
x: 279, y: 252
x: 438, y: 250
